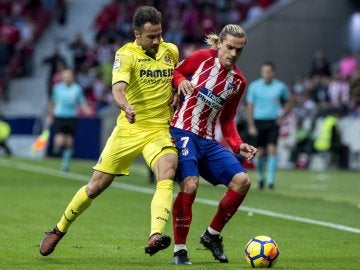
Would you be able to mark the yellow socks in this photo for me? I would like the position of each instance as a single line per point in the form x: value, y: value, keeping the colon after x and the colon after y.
x: 161, y: 206
x: 77, y: 205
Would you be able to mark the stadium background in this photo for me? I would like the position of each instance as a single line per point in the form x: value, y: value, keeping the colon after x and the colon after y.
x: 285, y: 31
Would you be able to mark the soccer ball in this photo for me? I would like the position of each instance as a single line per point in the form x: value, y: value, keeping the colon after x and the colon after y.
x: 261, y: 252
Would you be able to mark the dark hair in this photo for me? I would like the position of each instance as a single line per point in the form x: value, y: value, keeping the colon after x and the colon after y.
x: 146, y: 14
x: 270, y: 64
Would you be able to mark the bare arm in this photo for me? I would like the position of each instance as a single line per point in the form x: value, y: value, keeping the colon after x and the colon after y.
x: 118, y: 91
x: 250, y: 119
x: 86, y: 108
x: 50, y: 114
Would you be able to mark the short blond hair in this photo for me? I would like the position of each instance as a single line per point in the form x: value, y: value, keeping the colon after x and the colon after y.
x: 230, y: 29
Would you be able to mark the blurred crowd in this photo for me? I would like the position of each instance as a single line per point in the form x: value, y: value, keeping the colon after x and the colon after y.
x: 21, y: 24
x: 329, y: 91
x: 329, y: 86
x: 186, y: 22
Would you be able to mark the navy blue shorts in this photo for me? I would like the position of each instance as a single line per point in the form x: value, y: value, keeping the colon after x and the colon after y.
x: 203, y: 157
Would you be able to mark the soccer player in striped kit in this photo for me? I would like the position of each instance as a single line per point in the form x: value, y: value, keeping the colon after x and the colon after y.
x: 210, y: 86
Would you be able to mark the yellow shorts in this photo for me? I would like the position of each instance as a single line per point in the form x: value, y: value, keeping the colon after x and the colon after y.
x: 125, y: 144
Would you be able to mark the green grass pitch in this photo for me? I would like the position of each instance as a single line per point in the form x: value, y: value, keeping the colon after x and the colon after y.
x: 313, y: 216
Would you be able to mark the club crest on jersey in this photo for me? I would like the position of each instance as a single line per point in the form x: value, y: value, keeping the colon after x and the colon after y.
x: 116, y: 63
x: 185, y: 151
x: 167, y: 59
x: 230, y: 86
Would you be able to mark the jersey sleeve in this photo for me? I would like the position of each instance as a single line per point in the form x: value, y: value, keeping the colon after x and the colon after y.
x: 187, y: 67
x: 249, y: 94
x: 286, y: 92
x: 122, y: 67
x: 80, y: 95
x: 227, y: 122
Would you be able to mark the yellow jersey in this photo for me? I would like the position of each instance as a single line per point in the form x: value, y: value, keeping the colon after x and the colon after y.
x: 149, y: 82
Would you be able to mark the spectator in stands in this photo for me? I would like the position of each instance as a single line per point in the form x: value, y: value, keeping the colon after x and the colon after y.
x: 80, y: 51
x: 208, y: 20
x: 339, y: 93
x: 265, y: 97
x: 102, y: 92
x: 255, y: 11
x: 85, y: 77
x: 16, y: 16
x: 347, y: 64
x: 190, y: 19
x: 355, y: 101
x: 61, y: 14
x: 304, y: 106
x: 320, y: 93
x: 109, y: 15
x: 5, y: 59
x: 265, y: 3
x: 25, y: 46
x: 124, y: 24
x: 103, y: 51
x: 320, y: 66
x: 233, y: 14
x: 57, y: 76
x: 11, y: 35
x: 329, y: 140
x: 54, y: 60
x: 174, y: 34
x: 303, y: 145
x: 300, y: 85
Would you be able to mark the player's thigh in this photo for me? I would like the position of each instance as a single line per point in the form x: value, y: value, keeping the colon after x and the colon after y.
x: 220, y: 166
x: 186, y: 169
x: 159, y: 148
x: 165, y: 166
x: 120, y: 150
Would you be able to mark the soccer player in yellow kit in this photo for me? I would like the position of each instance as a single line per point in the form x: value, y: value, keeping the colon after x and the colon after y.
x: 142, y: 89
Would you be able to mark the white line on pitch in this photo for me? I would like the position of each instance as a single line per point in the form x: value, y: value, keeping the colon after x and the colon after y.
x: 82, y: 178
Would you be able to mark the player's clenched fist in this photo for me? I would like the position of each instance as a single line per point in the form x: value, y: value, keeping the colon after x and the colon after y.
x: 130, y: 113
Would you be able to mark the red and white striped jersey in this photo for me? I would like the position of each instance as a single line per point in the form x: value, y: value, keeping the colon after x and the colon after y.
x: 216, y: 96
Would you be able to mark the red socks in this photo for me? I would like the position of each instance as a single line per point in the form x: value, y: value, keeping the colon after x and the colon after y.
x: 182, y: 213
x: 182, y: 216
x: 228, y: 206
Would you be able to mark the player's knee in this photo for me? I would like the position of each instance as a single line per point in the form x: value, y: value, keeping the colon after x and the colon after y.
x: 165, y: 173
x: 98, y: 183
x: 240, y: 183
x: 190, y: 185
x: 165, y: 167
